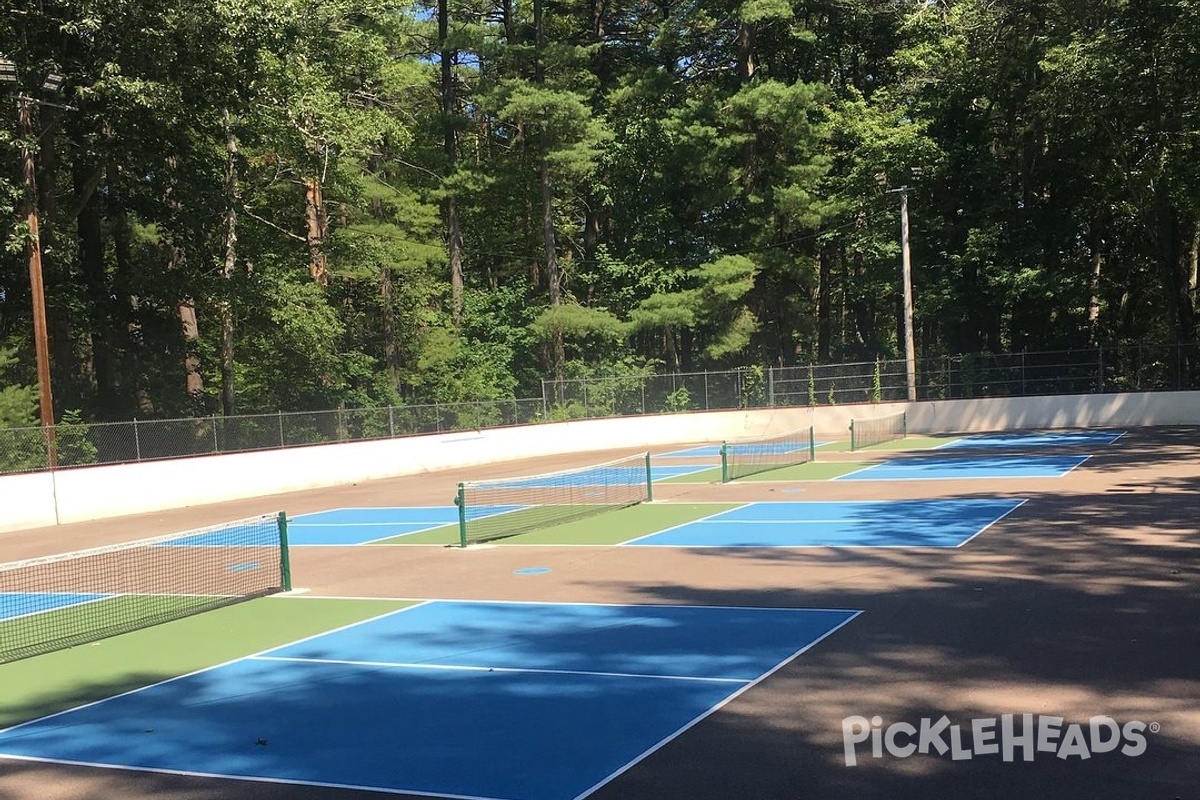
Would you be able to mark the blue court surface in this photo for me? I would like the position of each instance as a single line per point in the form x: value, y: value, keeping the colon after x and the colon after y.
x: 347, y: 526
x: 20, y: 604
x: 714, y: 450
x: 883, y: 523
x: 510, y: 701
x: 1097, y: 438
x: 703, y: 451
x: 600, y: 476
x: 361, y: 525
x: 918, y: 469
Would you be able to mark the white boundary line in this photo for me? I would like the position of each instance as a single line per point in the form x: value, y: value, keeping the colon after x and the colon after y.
x: 712, y: 518
x: 139, y: 689
x: 1017, y: 445
x: 745, y: 686
x: 469, y: 668
x: 688, y: 726
x: 92, y: 598
x: 1063, y: 474
x: 993, y: 522
x: 250, y: 778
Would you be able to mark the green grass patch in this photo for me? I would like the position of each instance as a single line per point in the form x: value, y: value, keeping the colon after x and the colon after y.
x: 45, y: 684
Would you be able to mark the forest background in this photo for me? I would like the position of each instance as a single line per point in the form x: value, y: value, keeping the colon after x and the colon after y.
x: 260, y: 205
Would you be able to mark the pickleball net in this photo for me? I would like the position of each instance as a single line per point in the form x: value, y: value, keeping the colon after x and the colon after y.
x: 742, y: 457
x: 495, y: 509
x: 877, y: 430
x: 60, y: 601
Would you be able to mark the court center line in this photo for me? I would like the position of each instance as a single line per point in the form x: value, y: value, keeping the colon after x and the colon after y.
x: 683, y: 524
x: 202, y: 670
x: 714, y: 708
x: 467, y: 668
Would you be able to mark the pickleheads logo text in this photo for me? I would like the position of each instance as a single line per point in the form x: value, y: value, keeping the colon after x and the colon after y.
x: 1028, y: 735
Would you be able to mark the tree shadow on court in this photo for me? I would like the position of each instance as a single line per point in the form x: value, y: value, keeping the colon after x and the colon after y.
x: 1074, y: 606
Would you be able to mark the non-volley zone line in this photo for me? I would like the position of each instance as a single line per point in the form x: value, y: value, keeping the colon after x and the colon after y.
x: 1066, y: 438
x: 924, y: 468
x: 891, y: 523
x: 714, y: 450
x: 14, y: 605
x: 561, y: 698
x: 350, y: 526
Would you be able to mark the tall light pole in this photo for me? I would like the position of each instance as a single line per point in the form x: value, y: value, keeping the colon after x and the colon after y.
x: 41, y: 339
x: 910, y: 358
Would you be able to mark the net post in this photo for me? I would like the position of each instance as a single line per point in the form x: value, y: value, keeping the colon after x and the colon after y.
x: 285, y: 560
x: 724, y: 462
x: 460, y: 500
x: 649, y: 480
x: 851, y: 436
x: 812, y: 443
x: 903, y: 424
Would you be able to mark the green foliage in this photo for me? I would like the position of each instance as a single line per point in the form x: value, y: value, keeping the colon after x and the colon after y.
x: 708, y: 178
x: 754, y: 387
x: 678, y: 400
x: 71, y: 439
x: 18, y: 404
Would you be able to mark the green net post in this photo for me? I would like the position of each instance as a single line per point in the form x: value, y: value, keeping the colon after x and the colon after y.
x: 649, y: 480
x: 724, y: 462
x: 285, y: 560
x: 852, y: 436
x: 812, y: 443
x: 460, y: 500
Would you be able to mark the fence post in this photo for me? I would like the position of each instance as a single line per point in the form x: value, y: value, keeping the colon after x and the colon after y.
x: 391, y: 421
x: 216, y: 441
x: 437, y: 416
x: 1100, y: 369
x: 706, y: 390
x: 282, y: 440
x: 771, y: 386
x: 137, y: 442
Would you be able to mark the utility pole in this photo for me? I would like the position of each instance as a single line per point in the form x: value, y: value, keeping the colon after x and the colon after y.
x: 53, y: 82
x: 910, y: 358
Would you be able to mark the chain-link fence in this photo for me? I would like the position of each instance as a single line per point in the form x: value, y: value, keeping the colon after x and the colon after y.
x: 629, y: 395
x: 1123, y: 368
x: 28, y: 449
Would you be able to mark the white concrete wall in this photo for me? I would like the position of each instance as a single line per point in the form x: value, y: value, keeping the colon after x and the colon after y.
x: 74, y: 495
x: 27, y: 501
x: 1074, y: 411
x: 85, y: 493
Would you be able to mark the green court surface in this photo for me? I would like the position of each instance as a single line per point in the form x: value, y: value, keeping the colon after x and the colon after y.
x: 908, y: 443
x: 612, y: 527
x: 35, y: 687
x: 811, y: 471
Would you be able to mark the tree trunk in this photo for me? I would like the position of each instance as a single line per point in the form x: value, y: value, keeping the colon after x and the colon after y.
x: 1094, y: 284
x: 549, y: 244
x: 98, y: 365
x: 316, y: 221
x: 228, y: 387
x: 824, y: 299
x: 450, y: 149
